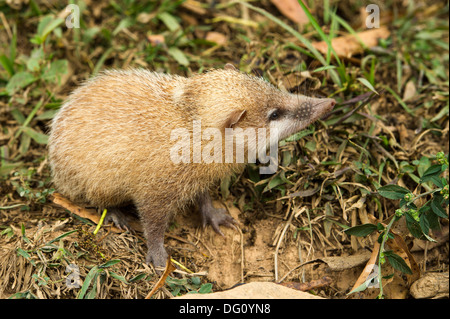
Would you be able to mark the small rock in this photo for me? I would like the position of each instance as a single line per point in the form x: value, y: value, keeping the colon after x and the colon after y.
x: 255, y: 290
x: 431, y: 285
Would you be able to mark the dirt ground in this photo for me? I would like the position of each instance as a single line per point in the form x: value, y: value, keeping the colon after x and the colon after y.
x: 240, y: 256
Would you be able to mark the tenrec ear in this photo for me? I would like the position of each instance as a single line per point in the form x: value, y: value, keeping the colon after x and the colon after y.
x: 234, y: 117
x: 230, y: 66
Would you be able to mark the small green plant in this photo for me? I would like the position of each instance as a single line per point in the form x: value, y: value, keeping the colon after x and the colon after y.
x: 39, y: 65
x: 98, y: 274
x: 419, y: 220
x: 187, y: 285
x: 31, y: 188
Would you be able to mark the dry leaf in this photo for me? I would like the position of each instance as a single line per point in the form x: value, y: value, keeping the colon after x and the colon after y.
x: 292, y: 10
x: 156, y: 39
x: 194, y: 6
x: 145, y: 17
x: 169, y: 268
x: 346, y: 262
x: 216, y: 37
x: 410, y: 90
x: 368, y: 268
x: 347, y: 46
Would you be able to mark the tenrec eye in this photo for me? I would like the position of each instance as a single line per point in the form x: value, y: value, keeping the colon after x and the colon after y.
x: 274, y: 115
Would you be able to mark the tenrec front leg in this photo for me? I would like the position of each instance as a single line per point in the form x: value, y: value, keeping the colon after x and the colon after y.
x: 214, y: 216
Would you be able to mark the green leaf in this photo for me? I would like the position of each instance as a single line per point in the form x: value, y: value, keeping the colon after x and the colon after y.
x: 393, y: 191
x: 196, y: 280
x: 324, y: 68
x: 205, y: 288
x: 399, y: 100
x: 176, y: 281
x: 47, y: 115
x: 90, y: 277
x: 56, y: 70
x: 109, y: 263
x: 424, y: 224
x: 48, y: 25
x: 423, y: 165
x: 299, y: 135
x: 169, y: 20
x: 437, y: 208
x: 138, y: 277
x: 61, y: 236
x: 35, y: 60
x: 19, y: 81
x: 368, y: 85
x: 413, y: 227
x: 361, y: 230
x: 7, y: 64
x: 311, y: 146
x: 443, y: 112
x: 274, y: 182
x: 178, y: 55
x: 25, y: 141
x: 431, y: 173
x: 361, y: 287
x: 25, y: 255
x: 118, y: 277
x: 125, y: 23
x: 36, y: 136
x: 397, y: 262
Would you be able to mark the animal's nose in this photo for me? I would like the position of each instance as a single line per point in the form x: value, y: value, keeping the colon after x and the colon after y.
x: 332, y: 103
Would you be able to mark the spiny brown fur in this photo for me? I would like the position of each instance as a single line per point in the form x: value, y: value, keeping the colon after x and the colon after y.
x: 110, y: 142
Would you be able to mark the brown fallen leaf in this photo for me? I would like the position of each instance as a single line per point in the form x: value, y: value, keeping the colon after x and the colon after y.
x: 346, y: 262
x: 399, y: 247
x: 292, y: 10
x: 216, y: 37
x: 348, y: 45
x: 368, y: 268
x: 194, y: 6
x: 410, y: 91
x: 169, y: 268
x: 145, y: 17
x: 156, y: 39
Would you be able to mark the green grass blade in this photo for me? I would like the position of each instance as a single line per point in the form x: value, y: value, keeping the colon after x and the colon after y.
x: 368, y: 85
x: 334, y: 76
x: 399, y: 100
x: 319, y: 30
x: 7, y: 64
x: 90, y: 277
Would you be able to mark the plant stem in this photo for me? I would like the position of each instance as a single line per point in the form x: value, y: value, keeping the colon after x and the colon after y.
x: 426, y: 193
x: 102, y: 218
x: 385, y: 238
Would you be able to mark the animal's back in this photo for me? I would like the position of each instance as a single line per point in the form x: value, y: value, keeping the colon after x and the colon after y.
x: 111, y: 134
